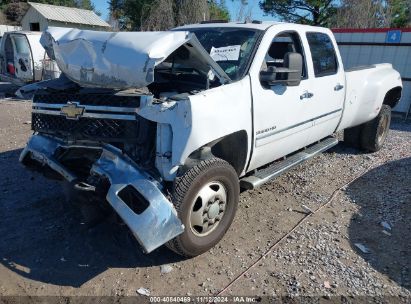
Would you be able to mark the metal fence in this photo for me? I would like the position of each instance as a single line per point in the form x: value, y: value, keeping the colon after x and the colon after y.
x: 371, y: 46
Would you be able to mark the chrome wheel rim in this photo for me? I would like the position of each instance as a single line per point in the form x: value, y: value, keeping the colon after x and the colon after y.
x: 382, y: 132
x: 208, y: 208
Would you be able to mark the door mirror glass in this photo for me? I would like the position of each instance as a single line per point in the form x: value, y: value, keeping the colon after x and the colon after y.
x: 289, y: 74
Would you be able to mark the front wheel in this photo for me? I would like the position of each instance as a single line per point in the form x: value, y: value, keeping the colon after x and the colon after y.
x: 206, y: 198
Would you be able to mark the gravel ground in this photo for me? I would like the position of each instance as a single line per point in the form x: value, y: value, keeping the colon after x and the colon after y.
x: 45, y: 250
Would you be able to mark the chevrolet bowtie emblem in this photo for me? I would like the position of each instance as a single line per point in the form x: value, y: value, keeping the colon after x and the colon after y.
x: 72, y: 110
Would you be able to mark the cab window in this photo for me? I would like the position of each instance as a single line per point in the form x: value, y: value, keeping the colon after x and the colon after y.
x: 282, y: 44
x: 21, y: 44
x: 322, y: 54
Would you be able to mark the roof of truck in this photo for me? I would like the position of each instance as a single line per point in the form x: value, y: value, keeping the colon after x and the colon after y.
x: 263, y: 25
x: 257, y: 25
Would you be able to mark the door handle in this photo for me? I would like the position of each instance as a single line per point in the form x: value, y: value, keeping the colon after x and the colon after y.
x: 338, y: 87
x: 306, y: 95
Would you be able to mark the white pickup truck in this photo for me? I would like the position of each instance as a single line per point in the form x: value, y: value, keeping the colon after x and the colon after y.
x: 164, y: 128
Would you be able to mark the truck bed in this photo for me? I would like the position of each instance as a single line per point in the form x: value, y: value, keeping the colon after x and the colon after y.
x: 366, y: 87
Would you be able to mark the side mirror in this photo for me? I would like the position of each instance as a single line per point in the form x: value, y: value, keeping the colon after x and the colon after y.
x: 294, y: 63
x: 269, y: 76
x: 289, y: 75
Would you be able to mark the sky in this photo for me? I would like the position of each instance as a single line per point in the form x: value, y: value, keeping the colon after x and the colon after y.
x: 233, y: 7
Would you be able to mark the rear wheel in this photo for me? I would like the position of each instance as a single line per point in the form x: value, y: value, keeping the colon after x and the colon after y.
x: 371, y: 135
x: 206, y: 199
x: 375, y: 131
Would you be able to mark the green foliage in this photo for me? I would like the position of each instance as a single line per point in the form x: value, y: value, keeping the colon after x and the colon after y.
x: 14, y: 11
x: 400, y: 13
x: 341, y: 13
x: 128, y: 13
x: 315, y: 12
x: 218, y: 10
x: 372, y: 14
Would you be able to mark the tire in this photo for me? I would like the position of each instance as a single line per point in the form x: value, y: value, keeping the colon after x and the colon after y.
x: 375, y: 132
x: 352, y: 137
x: 206, y: 198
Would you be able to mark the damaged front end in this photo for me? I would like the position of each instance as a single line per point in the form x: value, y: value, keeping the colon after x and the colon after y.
x: 124, y: 60
x: 96, y: 140
x: 132, y: 193
x: 110, y: 124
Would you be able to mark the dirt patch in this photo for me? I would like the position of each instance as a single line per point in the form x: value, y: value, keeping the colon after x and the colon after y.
x: 46, y: 250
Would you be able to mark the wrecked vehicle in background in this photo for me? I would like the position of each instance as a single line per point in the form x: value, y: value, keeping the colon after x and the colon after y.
x: 23, y: 59
x: 167, y: 126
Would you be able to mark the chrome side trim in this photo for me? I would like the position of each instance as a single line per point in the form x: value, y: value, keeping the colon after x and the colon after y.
x: 274, y: 132
x: 152, y: 228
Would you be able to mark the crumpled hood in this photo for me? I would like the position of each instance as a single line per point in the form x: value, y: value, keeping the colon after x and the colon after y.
x: 121, y: 60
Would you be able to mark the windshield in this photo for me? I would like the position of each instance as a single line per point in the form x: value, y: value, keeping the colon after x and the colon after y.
x: 231, y: 48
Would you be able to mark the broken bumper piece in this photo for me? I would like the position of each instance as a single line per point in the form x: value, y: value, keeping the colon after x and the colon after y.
x: 153, y: 225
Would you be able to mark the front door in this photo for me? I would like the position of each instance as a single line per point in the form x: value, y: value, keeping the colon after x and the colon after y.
x: 283, y: 115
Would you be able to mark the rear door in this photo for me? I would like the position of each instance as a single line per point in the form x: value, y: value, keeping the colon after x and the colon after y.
x: 23, y: 61
x: 329, y: 83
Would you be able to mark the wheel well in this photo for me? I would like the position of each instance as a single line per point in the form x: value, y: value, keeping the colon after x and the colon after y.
x: 392, y: 97
x: 231, y: 148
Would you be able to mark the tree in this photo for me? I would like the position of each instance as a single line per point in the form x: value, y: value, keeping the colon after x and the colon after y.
x: 3, y: 18
x: 116, y: 9
x: 129, y: 14
x: 218, y: 10
x: 372, y: 14
x: 191, y: 11
x: 84, y: 4
x: 245, y: 11
x: 134, y: 11
x: 159, y: 16
x: 163, y: 14
x: 400, y: 13
x: 14, y: 11
x: 315, y: 12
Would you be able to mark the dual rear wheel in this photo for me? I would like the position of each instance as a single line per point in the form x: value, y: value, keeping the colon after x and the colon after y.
x: 371, y: 135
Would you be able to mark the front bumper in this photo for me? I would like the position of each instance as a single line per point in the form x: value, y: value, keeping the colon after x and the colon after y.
x: 154, y: 226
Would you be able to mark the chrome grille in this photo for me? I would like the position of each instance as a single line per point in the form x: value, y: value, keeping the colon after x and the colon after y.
x: 96, y: 129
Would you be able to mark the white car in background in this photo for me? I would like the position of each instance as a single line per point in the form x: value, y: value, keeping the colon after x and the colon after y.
x: 23, y: 59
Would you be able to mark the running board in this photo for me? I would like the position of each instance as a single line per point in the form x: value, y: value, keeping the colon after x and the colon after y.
x: 279, y: 167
